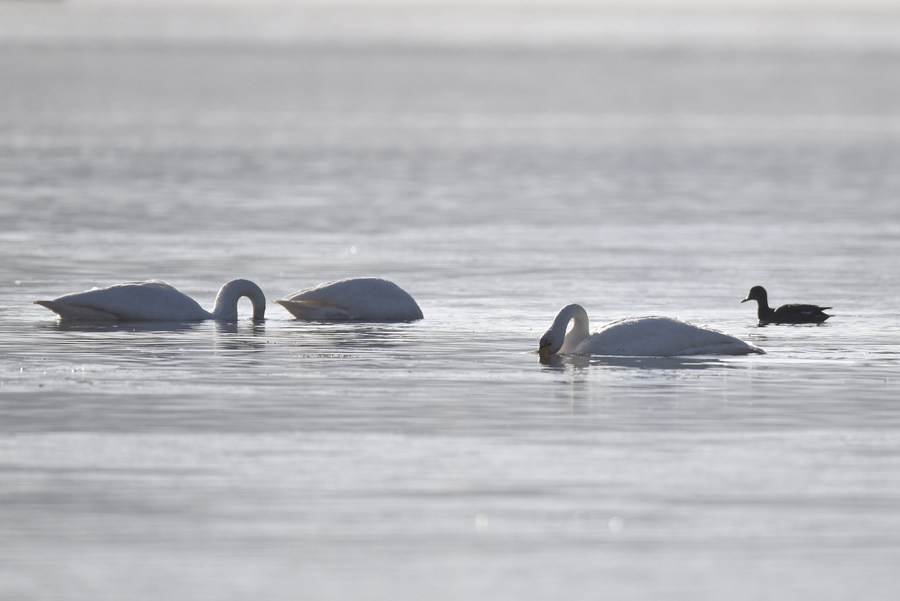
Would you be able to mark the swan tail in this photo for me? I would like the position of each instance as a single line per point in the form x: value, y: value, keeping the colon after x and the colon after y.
x: 53, y: 306
x: 750, y: 349
x: 311, y: 310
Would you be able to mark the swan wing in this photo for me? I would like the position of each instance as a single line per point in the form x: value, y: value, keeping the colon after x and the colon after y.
x: 313, y: 310
x: 662, y: 337
x: 131, y: 301
x: 363, y: 299
x: 77, y: 312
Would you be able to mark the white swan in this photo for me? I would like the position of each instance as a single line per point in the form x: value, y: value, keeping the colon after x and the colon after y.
x: 637, y: 337
x: 358, y: 299
x: 153, y: 301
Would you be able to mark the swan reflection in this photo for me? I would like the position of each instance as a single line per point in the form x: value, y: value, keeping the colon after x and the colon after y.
x: 240, y: 336
x: 352, y: 336
x: 122, y: 326
x: 561, y: 362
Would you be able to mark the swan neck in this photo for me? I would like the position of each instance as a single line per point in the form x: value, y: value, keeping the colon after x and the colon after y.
x: 227, y: 299
x: 580, y: 326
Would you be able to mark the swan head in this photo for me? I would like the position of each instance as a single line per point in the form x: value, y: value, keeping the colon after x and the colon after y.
x: 547, y: 347
x: 555, y: 338
x: 228, y: 296
x: 757, y: 293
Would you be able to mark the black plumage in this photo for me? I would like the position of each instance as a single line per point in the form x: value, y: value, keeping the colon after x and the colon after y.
x: 793, y: 313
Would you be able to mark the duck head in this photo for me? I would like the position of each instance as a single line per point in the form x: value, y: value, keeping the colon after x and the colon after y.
x: 757, y: 293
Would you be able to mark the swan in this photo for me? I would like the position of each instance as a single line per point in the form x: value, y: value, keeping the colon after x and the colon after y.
x: 153, y: 300
x: 353, y: 299
x: 794, y: 313
x: 637, y: 337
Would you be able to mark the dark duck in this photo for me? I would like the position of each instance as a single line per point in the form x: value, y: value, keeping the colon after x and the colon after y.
x: 785, y: 313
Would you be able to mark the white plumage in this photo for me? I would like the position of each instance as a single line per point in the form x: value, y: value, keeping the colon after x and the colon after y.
x: 353, y: 299
x: 153, y: 301
x: 637, y: 337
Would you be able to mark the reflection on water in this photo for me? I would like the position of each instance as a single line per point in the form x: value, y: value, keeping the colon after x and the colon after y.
x: 244, y: 340
x: 650, y: 363
x: 122, y: 326
x: 356, y: 336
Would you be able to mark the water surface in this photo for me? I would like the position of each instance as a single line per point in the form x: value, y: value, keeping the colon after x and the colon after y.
x: 497, y: 165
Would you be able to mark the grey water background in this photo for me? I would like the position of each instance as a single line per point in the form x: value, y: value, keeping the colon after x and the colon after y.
x: 497, y: 162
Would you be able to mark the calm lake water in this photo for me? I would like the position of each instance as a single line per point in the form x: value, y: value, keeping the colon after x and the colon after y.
x: 497, y: 164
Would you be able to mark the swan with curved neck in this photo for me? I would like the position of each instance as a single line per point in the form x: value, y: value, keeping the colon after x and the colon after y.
x: 154, y: 301
x: 353, y: 299
x: 636, y: 337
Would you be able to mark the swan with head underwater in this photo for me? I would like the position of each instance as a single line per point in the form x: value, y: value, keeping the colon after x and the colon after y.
x: 353, y: 299
x: 637, y: 337
x: 154, y: 300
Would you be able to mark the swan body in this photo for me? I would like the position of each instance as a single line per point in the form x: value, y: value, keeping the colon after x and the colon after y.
x: 637, y: 337
x: 153, y: 301
x: 793, y: 313
x: 353, y: 299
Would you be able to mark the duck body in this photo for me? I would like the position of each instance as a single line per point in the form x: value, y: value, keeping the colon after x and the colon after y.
x: 791, y: 313
x: 153, y: 300
x: 353, y: 299
x: 652, y: 336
